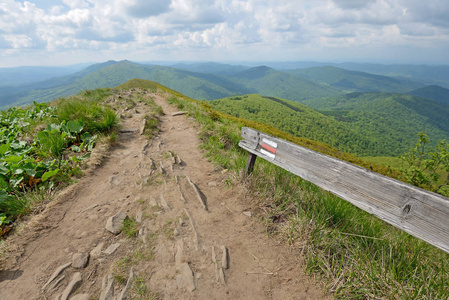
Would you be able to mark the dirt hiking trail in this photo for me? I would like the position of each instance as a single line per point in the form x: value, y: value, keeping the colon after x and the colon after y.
x: 196, y: 237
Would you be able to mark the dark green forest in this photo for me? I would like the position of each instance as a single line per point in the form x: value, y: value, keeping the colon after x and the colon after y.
x: 365, y: 124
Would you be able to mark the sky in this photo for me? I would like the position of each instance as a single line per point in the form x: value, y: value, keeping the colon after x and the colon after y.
x: 64, y: 32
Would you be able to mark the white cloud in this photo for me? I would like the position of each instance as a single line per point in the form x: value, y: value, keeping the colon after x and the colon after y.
x: 147, y: 8
x: 278, y: 29
x: 76, y: 3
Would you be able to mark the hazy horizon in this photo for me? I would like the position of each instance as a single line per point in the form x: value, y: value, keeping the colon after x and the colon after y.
x: 235, y: 63
x: 67, y: 32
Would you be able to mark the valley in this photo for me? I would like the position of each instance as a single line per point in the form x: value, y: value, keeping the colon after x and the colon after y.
x: 366, y: 114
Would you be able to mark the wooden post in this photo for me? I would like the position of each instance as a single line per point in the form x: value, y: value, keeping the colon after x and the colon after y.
x: 250, y: 164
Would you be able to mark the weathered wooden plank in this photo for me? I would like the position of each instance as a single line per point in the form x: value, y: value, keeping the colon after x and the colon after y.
x: 421, y: 213
x: 251, y: 137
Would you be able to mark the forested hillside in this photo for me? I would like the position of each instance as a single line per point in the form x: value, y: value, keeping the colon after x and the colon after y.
x: 214, y: 82
x: 355, y: 81
x: 393, y: 119
x: 365, y: 124
x: 269, y: 82
x: 433, y: 92
x: 297, y: 119
x: 211, y: 68
x: 111, y: 73
x: 438, y: 75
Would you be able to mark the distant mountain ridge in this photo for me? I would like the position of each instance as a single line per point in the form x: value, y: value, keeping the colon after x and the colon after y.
x: 196, y: 85
x: 211, y: 68
x: 356, y: 81
x: 433, y: 92
x: 27, y: 75
x: 428, y: 75
x: 353, y: 111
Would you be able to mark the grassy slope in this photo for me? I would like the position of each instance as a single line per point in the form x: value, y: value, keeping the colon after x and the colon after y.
x: 43, y: 145
x: 357, y: 255
x: 354, y: 81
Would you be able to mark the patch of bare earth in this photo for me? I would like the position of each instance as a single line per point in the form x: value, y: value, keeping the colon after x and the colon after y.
x: 193, y: 241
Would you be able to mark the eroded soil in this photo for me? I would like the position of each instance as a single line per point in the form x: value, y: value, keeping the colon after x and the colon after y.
x: 182, y: 249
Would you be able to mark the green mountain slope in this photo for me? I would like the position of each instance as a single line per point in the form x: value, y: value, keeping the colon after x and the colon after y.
x: 392, y: 119
x: 211, y: 68
x: 111, y: 74
x: 297, y: 119
x: 269, y: 82
x: 26, y: 75
x: 355, y: 81
x: 365, y: 124
x: 438, y: 75
x: 260, y: 80
x: 46, y: 90
x: 433, y: 92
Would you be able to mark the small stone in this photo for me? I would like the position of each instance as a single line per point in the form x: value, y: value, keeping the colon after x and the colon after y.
x: 225, y: 258
x: 129, y: 130
x: 221, y: 276
x: 107, y: 288
x: 125, y: 293
x: 247, y: 213
x: 56, y: 274
x: 112, y: 248
x: 153, y: 202
x: 80, y: 260
x: 185, y: 278
x: 139, y: 216
x: 165, y: 204
x: 56, y: 283
x: 179, y: 250
x: 73, y: 285
x: 97, y: 250
x: 89, y: 208
x: 115, y: 223
x: 178, y: 113
x: 142, y: 128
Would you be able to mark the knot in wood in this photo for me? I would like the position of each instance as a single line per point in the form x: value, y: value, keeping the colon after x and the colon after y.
x: 406, y: 209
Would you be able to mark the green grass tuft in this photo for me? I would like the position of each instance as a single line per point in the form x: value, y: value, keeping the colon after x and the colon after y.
x: 130, y: 228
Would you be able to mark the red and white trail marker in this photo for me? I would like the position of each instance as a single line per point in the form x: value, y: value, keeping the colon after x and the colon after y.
x: 268, y: 148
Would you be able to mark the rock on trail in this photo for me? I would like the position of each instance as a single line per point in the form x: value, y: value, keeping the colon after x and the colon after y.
x: 190, y: 237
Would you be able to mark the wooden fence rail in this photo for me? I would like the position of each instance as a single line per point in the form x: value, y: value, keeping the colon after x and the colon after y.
x: 422, y: 214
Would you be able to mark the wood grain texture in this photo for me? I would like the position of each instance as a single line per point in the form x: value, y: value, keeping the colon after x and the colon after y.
x: 421, y: 213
